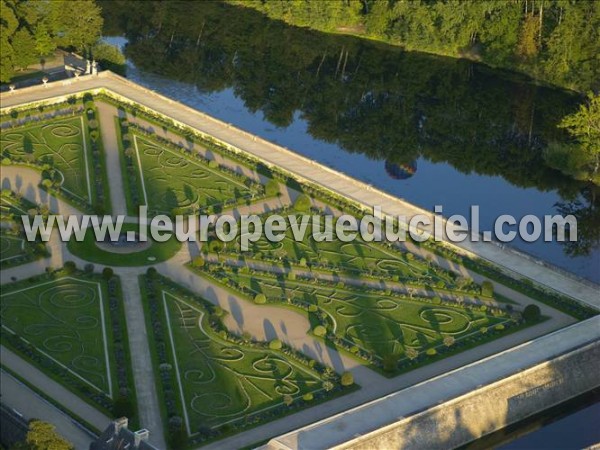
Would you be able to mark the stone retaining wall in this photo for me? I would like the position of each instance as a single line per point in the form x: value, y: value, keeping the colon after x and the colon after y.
x: 493, y: 407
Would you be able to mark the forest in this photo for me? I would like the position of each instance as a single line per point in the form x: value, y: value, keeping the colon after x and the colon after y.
x: 32, y: 30
x: 557, y: 41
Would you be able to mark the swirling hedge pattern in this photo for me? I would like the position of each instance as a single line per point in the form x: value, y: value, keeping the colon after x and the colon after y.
x: 224, y: 382
x: 58, y: 143
x: 61, y: 318
x: 173, y: 180
x: 377, y: 322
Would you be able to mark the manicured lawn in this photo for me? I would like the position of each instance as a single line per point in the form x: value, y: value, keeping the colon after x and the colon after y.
x: 217, y: 382
x: 14, y: 248
x: 66, y: 319
x: 62, y: 143
x: 10, y: 246
x: 354, y: 258
x: 221, y: 382
x: 157, y: 251
x: 376, y: 322
x: 172, y: 180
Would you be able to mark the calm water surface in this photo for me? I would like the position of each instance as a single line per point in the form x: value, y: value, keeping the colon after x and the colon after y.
x: 433, y: 131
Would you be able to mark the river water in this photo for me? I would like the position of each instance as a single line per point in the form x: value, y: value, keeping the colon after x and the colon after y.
x: 434, y: 131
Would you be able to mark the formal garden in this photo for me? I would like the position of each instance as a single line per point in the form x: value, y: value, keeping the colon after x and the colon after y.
x: 172, y: 179
x: 215, y: 383
x: 70, y: 324
x: 63, y: 142
x: 357, y: 258
x: 390, y: 330
x: 15, y: 249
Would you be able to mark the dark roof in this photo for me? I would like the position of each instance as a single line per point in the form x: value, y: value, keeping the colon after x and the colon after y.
x: 118, y: 437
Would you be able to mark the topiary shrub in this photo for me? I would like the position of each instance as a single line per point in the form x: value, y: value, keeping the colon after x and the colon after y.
x: 487, y: 288
x: 347, y: 379
x: 431, y: 352
x: 275, y: 344
x: 70, y: 267
x: 198, y: 261
x: 260, y: 299
x: 272, y: 188
x: 319, y: 331
x: 307, y: 397
x: 531, y: 313
x: 302, y: 203
x: 93, y: 124
x: 107, y: 273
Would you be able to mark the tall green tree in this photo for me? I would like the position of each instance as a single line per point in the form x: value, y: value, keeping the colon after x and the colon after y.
x: 580, y: 158
x: 75, y: 23
x: 23, y: 45
x: 44, y: 43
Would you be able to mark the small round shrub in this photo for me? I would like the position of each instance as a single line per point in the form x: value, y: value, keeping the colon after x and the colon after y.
x: 93, y: 124
x: 487, y: 288
x: 260, y: 299
x: 70, y: 267
x: 302, y: 203
x: 307, y: 397
x: 275, y: 344
x: 531, y: 313
x: 319, y: 331
x: 107, y: 273
x: 272, y: 188
x: 431, y: 352
x: 347, y: 379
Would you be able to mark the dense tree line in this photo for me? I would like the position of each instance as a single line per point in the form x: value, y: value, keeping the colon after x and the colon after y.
x: 553, y: 40
x: 33, y: 29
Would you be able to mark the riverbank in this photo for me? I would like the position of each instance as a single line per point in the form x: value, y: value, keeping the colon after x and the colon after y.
x: 504, y: 36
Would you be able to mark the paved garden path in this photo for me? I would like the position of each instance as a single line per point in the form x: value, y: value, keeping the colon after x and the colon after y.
x: 32, y: 406
x: 141, y: 361
x: 108, y: 129
x: 53, y: 389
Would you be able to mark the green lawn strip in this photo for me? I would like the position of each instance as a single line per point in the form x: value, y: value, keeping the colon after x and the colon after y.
x: 344, y: 275
x: 157, y: 252
x: 320, y: 314
x: 224, y: 369
x: 357, y: 258
x: 97, y: 160
x: 66, y: 286
x: 126, y: 172
x: 80, y: 422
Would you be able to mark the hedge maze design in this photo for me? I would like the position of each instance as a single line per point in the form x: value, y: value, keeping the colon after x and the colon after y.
x: 376, y: 321
x: 64, y: 319
x: 171, y: 180
x: 221, y: 382
x: 61, y: 144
